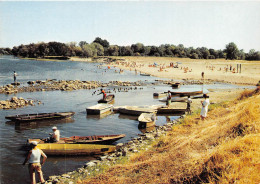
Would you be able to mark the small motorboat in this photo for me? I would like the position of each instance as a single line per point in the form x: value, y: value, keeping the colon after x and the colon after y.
x: 40, y: 116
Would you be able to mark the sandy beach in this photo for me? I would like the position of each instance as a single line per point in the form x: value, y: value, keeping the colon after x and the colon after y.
x: 217, y: 70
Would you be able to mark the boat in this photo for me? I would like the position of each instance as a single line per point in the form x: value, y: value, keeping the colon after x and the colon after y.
x: 167, y: 110
x: 192, y: 93
x: 176, y: 85
x: 146, y: 120
x: 95, y: 139
x: 75, y: 149
x: 99, y: 108
x: 175, y: 99
x: 158, y: 95
x: 40, y: 116
x: 108, y: 99
x: 137, y: 110
x: 145, y: 74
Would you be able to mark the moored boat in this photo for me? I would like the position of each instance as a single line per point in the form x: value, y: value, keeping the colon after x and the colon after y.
x: 192, y: 93
x: 146, y: 120
x: 145, y: 74
x: 175, y: 99
x: 158, y: 95
x: 99, y: 108
x: 108, y: 99
x: 39, y: 116
x: 95, y: 139
x: 75, y: 149
x: 176, y: 85
x: 166, y: 110
x: 136, y: 110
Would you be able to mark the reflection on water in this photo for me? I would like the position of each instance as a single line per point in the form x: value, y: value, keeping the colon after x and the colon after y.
x: 37, y: 124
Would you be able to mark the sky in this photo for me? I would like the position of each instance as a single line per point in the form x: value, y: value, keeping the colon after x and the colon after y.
x: 211, y: 24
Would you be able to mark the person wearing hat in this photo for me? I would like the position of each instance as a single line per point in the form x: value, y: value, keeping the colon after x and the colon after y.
x: 35, y: 164
x: 205, y: 104
x: 55, y: 136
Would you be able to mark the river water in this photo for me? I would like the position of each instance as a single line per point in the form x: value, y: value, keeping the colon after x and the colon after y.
x: 13, y: 137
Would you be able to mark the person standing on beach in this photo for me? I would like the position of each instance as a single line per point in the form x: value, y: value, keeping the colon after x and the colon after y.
x: 35, y: 164
x: 202, y: 75
x: 169, y: 98
x: 15, y: 74
x: 205, y: 104
x: 189, y: 101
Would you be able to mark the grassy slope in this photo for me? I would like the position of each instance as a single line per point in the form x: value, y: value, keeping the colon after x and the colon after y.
x: 222, y: 149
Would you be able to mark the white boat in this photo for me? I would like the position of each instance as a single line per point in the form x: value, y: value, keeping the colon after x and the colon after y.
x: 137, y: 110
x: 146, y: 120
x: 99, y: 109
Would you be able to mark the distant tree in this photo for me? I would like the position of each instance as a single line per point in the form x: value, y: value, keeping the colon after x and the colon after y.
x: 231, y: 51
x: 213, y: 53
x: 102, y: 42
x: 87, y: 50
x: 138, y: 48
x: 126, y: 51
x: 82, y: 43
x: 113, y: 50
x: 194, y: 56
x: 221, y: 54
x: 98, y: 49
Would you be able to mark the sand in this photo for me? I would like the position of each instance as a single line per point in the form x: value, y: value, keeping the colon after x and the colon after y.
x: 192, y: 68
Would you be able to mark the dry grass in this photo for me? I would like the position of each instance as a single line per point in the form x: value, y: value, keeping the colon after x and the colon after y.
x: 222, y: 149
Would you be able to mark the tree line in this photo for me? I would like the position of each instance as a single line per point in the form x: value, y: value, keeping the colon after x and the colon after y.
x: 101, y: 47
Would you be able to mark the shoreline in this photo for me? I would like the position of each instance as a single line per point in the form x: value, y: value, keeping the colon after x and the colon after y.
x: 189, y: 69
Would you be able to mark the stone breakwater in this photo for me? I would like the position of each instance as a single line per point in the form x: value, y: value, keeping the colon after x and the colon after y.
x: 70, y: 85
x: 124, y: 151
x: 15, y: 102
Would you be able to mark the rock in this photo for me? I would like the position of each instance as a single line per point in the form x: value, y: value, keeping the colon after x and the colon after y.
x: 90, y: 164
x: 66, y: 176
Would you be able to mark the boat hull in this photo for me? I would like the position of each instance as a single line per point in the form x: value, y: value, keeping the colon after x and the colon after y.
x: 135, y: 112
x: 95, y: 139
x: 187, y: 93
x: 75, y: 149
x: 171, y: 111
x: 108, y: 99
x: 99, y: 109
x: 40, y: 116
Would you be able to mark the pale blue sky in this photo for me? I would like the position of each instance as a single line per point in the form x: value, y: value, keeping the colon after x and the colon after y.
x: 197, y: 24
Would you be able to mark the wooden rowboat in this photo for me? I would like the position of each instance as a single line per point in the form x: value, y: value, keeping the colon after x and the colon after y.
x: 40, y: 116
x: 176, y: 85
x: 158, y: 95
x: 99, y: 109
x: 75, y: 149
x: 95, y: 139
x: 144, y: 74
x: 175, y: 99
x: 135, y: 110
x: 166, y: 110
x: 192, y: 93
x: 146, y: 120
x: 108, y: 99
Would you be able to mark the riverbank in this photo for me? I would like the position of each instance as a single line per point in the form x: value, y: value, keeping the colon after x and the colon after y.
x: 151, y: 146
x: 222, y: 148
x: 214, y: 69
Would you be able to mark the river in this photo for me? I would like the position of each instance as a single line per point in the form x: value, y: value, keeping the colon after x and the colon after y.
x: 13, y: 136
